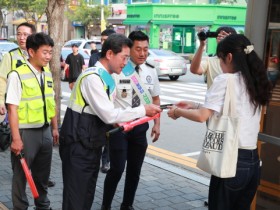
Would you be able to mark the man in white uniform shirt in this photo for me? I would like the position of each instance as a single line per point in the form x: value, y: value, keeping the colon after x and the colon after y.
x: 137, y: 84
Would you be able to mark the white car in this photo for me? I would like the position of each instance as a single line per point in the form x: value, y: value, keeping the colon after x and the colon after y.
x: 5, y: 47
x: 83, y: 44
x: 167, y: 63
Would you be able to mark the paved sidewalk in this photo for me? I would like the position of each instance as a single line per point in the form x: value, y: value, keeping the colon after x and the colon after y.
x: 162, y: 187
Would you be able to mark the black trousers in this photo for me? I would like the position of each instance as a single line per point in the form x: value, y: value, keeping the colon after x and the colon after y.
x: 80, y: 167
x: 125, y: 148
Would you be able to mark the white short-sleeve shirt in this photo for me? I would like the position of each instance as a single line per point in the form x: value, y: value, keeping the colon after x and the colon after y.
x: 249, y: 117
x: 148, y: 77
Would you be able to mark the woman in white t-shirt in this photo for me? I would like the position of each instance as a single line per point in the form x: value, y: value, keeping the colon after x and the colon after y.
x: 253, y: 90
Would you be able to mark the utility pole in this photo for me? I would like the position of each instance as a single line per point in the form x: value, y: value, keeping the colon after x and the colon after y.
x: 102, y: 21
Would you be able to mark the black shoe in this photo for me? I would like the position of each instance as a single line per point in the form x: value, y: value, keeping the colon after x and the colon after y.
x: 51, y: 183
x: 105, y: 208
x: 123, y: 207
x: 105, y: 168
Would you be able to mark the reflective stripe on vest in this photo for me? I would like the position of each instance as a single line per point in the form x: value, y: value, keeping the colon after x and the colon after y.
x: 17, y: 58
x: 33, y: 110
x: 77, y: 102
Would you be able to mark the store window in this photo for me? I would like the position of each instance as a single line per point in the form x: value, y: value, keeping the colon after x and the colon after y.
x: 141, y: 1
x: 117, y: 1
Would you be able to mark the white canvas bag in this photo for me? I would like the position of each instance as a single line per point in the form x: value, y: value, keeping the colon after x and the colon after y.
x: 220, y: 146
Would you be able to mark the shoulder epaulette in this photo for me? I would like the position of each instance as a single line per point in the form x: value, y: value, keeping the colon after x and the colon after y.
x: 149, y: 65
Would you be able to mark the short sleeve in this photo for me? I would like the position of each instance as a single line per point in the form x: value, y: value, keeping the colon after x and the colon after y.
x: 215, y: 95
x: 13, y: 89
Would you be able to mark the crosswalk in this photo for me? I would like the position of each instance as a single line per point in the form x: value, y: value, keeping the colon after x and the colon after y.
x: 170, y: 93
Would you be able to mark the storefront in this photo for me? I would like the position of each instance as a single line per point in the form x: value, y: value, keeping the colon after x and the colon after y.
x: 175, y: 27
x: 263, y: 29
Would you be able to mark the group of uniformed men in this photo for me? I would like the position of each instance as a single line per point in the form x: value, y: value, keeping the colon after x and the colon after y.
x: 120, y: 88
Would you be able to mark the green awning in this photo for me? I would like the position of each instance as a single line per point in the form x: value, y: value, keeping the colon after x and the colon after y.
x: 166, y: 22
x: 182, y: 22
x: 135, y: 22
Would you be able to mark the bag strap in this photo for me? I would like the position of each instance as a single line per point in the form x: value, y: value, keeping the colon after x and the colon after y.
x: 230, y: 98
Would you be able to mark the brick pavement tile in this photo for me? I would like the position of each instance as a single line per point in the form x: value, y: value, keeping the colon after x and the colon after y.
x: 158, y: 189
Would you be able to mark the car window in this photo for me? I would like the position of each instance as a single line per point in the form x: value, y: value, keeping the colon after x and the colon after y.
x: 69, y: 43
x: 87, y: 46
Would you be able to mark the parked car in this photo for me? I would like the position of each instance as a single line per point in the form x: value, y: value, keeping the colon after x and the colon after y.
x: 83, y: 44
x: 167, y: 63
x: 5, y: 47
x: 64, y: 53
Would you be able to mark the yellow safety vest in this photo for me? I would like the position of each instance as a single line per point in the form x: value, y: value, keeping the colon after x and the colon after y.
x: 77, y: 102
x: 36, y: 107
x: 17, y: 58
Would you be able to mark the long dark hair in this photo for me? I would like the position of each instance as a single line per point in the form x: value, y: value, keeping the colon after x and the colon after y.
x: 246, y: 60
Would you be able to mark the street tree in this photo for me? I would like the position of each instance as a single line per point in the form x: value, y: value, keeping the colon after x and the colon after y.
x: 55, y: 16
x: 88, y: 15
x: 32, y: 10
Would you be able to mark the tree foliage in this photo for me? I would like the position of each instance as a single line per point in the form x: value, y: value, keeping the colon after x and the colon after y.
x: 88, y: 15
x: 32, y: 10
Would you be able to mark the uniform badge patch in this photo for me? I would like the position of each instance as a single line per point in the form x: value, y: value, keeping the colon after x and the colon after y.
x: 149, y: 79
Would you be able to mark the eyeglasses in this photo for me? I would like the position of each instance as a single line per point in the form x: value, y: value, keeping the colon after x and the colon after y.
x: 22, y: 35
x: 125, y: 58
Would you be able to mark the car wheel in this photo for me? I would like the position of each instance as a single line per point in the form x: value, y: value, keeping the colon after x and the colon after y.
x: 173, y: 78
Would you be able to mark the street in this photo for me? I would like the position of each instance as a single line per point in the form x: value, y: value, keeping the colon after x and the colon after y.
x: 180, y: 136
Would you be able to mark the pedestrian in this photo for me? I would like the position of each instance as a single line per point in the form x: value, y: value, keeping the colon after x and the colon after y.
x: 239, y: 60
x: 89, y: 115
x: 31, y: 108
x: 210, y: 66
x: 14, y: 59
x: 129, y: 149
x: 105, y: 158
x: 76, y: 64
x: 96, y: 56
x: 93, y: 48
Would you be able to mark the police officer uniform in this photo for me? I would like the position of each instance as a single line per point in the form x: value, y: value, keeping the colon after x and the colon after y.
x: 130, y: 147
x: 83, y: 134
x: 32, y: 92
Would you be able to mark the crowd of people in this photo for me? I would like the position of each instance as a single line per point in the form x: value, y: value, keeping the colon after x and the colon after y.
x: 120, y: 86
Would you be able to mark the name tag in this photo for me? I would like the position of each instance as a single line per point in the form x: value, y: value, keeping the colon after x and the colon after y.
x: 50, y: 84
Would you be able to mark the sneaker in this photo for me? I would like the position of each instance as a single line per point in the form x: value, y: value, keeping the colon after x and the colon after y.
x: 105, y: 168
x: 51, y: 183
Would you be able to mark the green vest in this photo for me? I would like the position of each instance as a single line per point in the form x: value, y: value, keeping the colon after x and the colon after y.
x: 36, y: 107
x: 17, y: 58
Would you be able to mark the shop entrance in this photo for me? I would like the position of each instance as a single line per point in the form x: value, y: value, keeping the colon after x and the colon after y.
x: 183, y: 39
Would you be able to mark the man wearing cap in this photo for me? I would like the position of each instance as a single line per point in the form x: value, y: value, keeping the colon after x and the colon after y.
x: 76, y: 63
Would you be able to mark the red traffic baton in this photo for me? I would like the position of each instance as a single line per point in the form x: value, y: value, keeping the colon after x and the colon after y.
x: 28, y: 176
x: 130, y: 125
